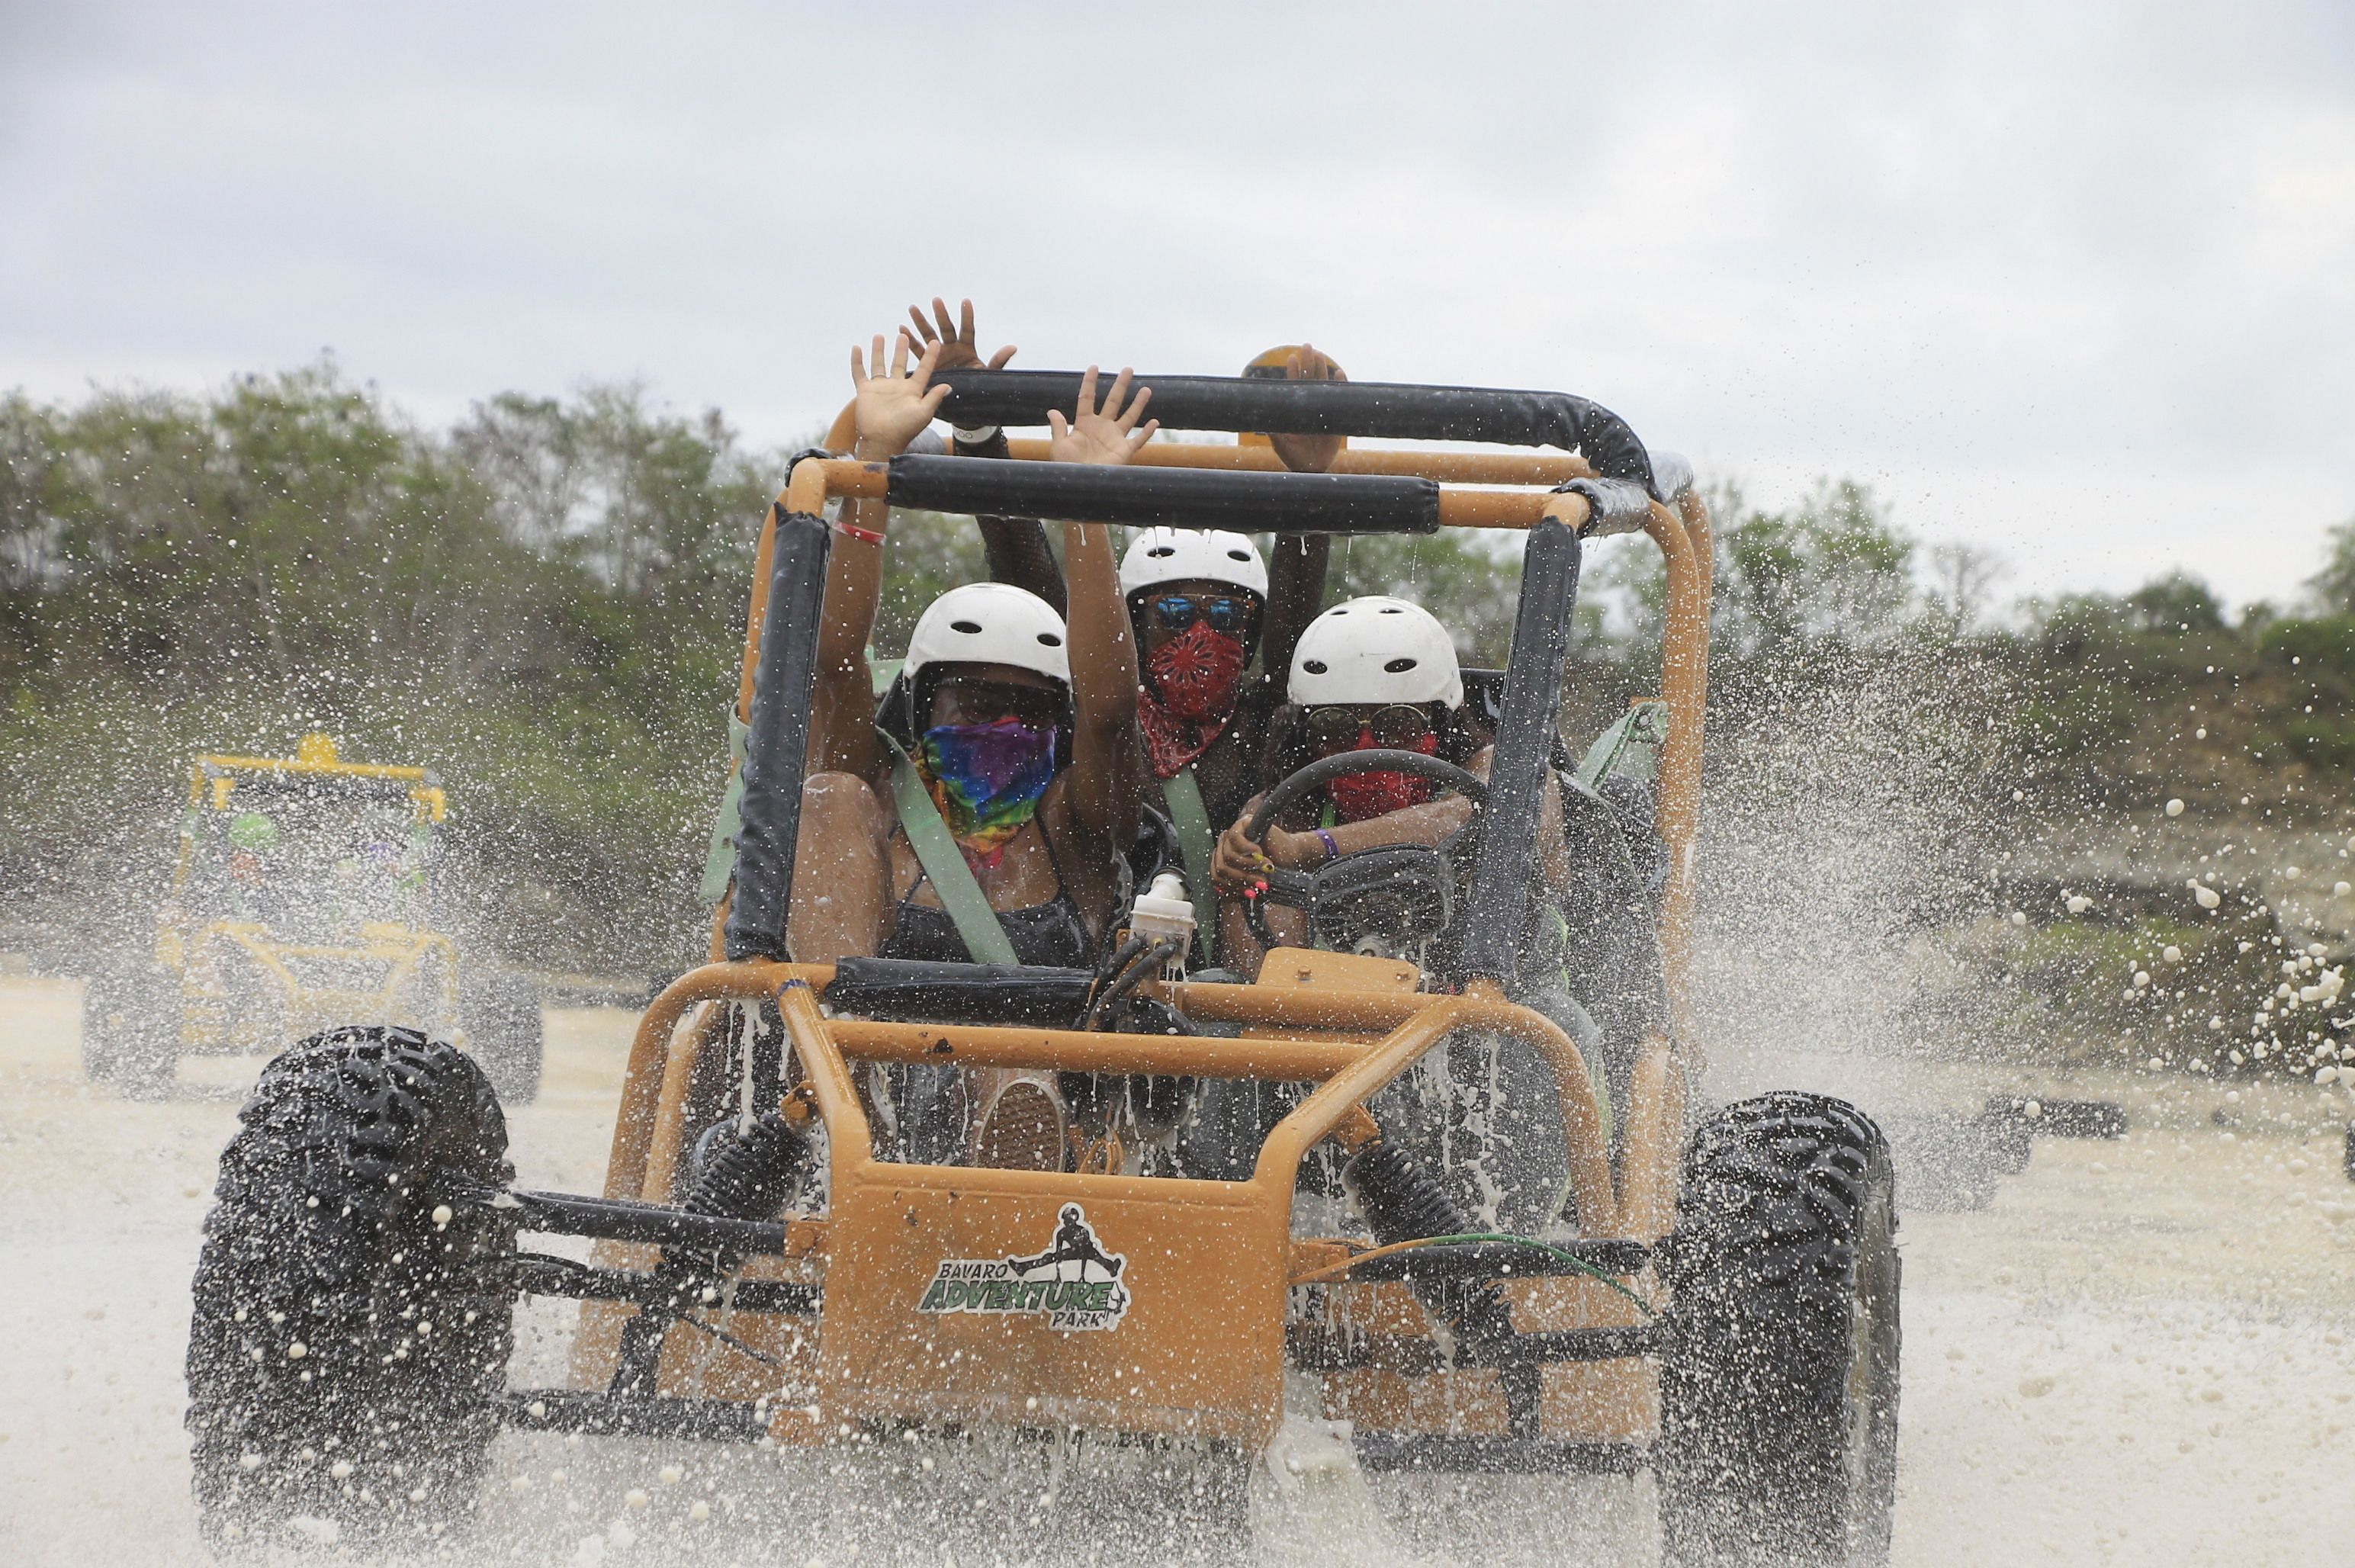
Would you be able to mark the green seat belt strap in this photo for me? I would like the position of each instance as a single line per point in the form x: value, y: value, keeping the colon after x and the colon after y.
x: 1630, y: 746
x: 936, y: 851
x: 719, y: 865
x: 1198, y: 843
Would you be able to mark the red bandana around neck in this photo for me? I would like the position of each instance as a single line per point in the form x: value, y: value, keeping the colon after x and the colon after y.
x: 1188, y: 696
x: 1358, y: 796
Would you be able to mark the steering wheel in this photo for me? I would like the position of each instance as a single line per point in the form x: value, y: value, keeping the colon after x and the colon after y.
x: 1299, y: 889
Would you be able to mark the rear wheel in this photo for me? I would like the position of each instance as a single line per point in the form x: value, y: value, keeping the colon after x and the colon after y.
x: 1778, y: 1390
x: 351, y: 1326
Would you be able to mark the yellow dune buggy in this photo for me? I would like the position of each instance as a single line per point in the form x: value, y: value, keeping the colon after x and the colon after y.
x: 1296, y: 1221
x: 303, y: 897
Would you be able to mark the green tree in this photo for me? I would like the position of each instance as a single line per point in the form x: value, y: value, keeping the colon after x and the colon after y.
x: 2334, y: 585
x: 1831, y: 571
x: 1470, y: 583
x: 924, y: 555
x: 546, y: 605
x: 2177, y: 603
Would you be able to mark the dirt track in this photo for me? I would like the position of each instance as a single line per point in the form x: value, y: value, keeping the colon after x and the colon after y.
x: 2140, y: 1354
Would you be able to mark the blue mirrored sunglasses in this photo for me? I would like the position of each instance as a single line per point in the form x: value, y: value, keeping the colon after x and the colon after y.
x: 1176, y: 612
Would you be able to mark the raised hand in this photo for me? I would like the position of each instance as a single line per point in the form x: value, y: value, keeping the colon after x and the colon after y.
x: 959, y: 348
x: 1106, y: 433
x: 1309, y: 453
x: 893, y: 407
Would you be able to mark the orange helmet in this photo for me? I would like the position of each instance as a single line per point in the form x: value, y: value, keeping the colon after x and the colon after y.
x: 1273, y: 365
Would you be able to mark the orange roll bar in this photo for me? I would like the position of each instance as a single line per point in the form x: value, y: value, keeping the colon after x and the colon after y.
x: 1548, y: 469
x: 1684, y: 678
x: 642, y: 1080
x: 975, y: 1045
x: 653, y: 1093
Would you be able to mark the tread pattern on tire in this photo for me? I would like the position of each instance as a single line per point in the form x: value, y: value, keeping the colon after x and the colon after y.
x: 322, y: 1237
x: 1787, y: 1215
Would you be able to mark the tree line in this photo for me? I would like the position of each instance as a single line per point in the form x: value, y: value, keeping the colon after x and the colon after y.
x: 545, y: 602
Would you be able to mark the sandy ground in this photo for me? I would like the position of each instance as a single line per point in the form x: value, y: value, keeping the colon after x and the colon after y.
x: 2138, y: 1355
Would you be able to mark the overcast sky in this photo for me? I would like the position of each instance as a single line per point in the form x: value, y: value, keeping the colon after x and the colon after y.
x: 2073, y: 281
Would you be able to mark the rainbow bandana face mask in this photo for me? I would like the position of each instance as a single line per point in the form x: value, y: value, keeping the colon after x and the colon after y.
x: 986, y: 779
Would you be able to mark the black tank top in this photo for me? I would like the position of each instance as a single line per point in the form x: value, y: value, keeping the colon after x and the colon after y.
x: 1051, y: 935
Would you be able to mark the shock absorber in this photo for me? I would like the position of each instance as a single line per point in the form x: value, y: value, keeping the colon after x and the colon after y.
x: 735, y: 1175
x: 747, y: 1175
x: 1402, y: 1201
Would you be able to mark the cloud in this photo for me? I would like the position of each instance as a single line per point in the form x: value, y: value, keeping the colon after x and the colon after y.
x: 2072, y: 280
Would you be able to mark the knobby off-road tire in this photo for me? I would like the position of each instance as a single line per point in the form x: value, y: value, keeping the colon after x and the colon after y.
x: 503, y: 1025
x: 1778, y: 1389
x: 347, y: 1352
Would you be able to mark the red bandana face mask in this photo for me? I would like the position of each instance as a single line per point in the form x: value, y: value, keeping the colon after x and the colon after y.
x: 1190, y: 682
x: 1359, y: 797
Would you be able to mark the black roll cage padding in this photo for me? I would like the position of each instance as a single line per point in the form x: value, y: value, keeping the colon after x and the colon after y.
x: 776, y: 748
x: 904, y: 990
x: 1142, y: 496
x: 1504, y: 873
x: 1400, y: 409
x: 958, y: 993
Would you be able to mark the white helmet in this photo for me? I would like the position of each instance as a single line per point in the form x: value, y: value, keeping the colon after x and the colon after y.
x: 1376, y: 649
x: 1187, y: 555
x: 990, y: 623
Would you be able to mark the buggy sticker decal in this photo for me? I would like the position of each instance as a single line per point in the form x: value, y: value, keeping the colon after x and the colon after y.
x: 1074, y: 1284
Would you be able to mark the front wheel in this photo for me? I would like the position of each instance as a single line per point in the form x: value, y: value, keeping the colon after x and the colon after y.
x: 1778, y: 1389
x: 351, y: 1328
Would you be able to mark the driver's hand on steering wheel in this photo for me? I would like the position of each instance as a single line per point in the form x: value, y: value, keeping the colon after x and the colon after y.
x: 1239, y: 864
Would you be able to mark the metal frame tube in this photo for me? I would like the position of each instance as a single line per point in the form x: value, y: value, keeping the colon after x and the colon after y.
x: 776, y: 752
x: 1684, y: 678
x: 1546, y: 469
x: 1415, y: 1023
x: 1505, y: 876
x: 1684, y: 537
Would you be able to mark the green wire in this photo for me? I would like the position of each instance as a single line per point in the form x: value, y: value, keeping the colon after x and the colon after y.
x: 1579, y: 1263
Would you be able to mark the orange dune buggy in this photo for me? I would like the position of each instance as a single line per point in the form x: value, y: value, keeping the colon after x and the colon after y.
x: 1713, y: 1297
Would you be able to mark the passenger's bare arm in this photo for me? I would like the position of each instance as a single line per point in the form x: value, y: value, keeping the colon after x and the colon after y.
x: 892, y: 408
x: 1016, y: 548
x: 1296, y: 566
x: 1105, y: 793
